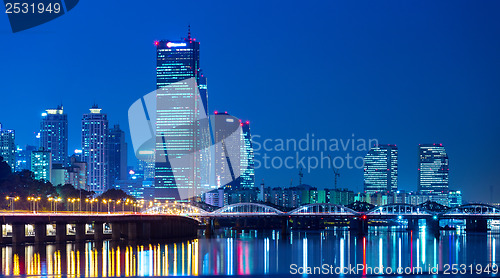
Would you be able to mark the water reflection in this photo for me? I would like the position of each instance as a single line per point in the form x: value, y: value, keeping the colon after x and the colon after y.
x: 252, y: 252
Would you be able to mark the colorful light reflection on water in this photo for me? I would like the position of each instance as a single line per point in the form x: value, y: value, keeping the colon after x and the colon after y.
x: 251, y: 252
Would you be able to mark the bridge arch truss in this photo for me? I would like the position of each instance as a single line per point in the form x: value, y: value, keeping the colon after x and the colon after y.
x: 322, y: 209
x: 398, y: 209
x: 247, y: 209
x: 473, y: 209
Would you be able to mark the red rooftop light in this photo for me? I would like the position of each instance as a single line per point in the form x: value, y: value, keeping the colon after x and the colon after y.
x: 156, y: 42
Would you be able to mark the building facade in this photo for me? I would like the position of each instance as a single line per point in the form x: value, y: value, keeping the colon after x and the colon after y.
x: 381, y: 169
x: 41, y: 164
x: 228, y: 148
x: 178, y: 110
x: 8, y: 147
x: 247, y: 164
x: 94, y: 149
x: 54, y: 134
x: 117, y: 154
x: 77, y: 173
x: 433, y: 170
x: 23, y: 157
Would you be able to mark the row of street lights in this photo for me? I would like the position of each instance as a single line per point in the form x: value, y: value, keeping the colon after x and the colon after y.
x: 72, y: 202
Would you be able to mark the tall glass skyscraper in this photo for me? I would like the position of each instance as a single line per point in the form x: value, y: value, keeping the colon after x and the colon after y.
x: 8, y: 147
x: 178, y: 113
x: 247, y: 178
x: 94, y: 149
x: 54, y: 134
x: 228, y: 149
x: 433, y: 169
x: 117, y: 152
x: 381, y: 169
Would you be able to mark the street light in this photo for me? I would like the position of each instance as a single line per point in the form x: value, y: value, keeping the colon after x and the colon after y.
x: 57, y: 201
x: 87, y: 204
x: 106, y: 202
x: 72, y: 201
x: 34, y: 203
x: 12, y: 200
x: 52, y: 202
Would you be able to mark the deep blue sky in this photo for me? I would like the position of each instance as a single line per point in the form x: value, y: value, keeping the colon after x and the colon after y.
x: 404, y: 72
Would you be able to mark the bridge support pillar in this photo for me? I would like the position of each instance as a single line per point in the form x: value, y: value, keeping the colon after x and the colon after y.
x: 359, y: 226
x: 18, y: 233
x: 61, y: 232
x: 132, y: 231
x: 80, y: 232
x: 40, y: 233
x: 145, y: 230
x: 433, y: 225
x: 98, y: 231
x: 476, y: 225
x: 412, y: 224
x: 209, y: 228
x: 116, y: 231
x: 284, y: 227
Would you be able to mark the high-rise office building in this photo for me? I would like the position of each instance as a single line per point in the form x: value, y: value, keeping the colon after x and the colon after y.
x: 8, y: 147
x: 381, y: 169
x: 117, y: 151
x: 54, y: 134
x: 23, y: 157
x: 41, y: 164
x: 179, y: 109
x: 433, y: 169
x: 77, y: 173
x: 94, y: 152
x: 247, y: 165
x: 229, y: 151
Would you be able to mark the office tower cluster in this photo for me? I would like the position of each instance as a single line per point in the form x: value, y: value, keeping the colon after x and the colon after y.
x: 96, y: 167
x: 381, y: 176
x: 194, y: 152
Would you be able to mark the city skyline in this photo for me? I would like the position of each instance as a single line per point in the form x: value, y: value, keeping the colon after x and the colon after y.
x: 399, y: 67
x: 432, y: 156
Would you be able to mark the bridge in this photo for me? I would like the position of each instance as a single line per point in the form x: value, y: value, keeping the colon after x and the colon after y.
x: 476, y: 215
x: 19, y: 228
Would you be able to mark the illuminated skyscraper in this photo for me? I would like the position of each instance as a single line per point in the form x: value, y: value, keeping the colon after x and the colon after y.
x: 117, y: 151
x: 54, y: 134
x: 179, y: 109
x: 8, y: 147
x: 433, y: 169
x: 227, y: 150
x: 247, y: 178
x: 381, y: 169
x: 41, y: 164
x: 95, y: 147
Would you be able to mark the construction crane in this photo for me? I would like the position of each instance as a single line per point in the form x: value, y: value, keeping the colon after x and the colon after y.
x: 301, y: 175
x: 336, y: 172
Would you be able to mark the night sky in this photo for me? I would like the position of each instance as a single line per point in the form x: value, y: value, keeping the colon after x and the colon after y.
x: 403, y: 72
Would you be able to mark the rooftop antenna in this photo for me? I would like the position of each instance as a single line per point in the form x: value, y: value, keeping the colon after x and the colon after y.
x: 189, y: 31
x: 301, y: 175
